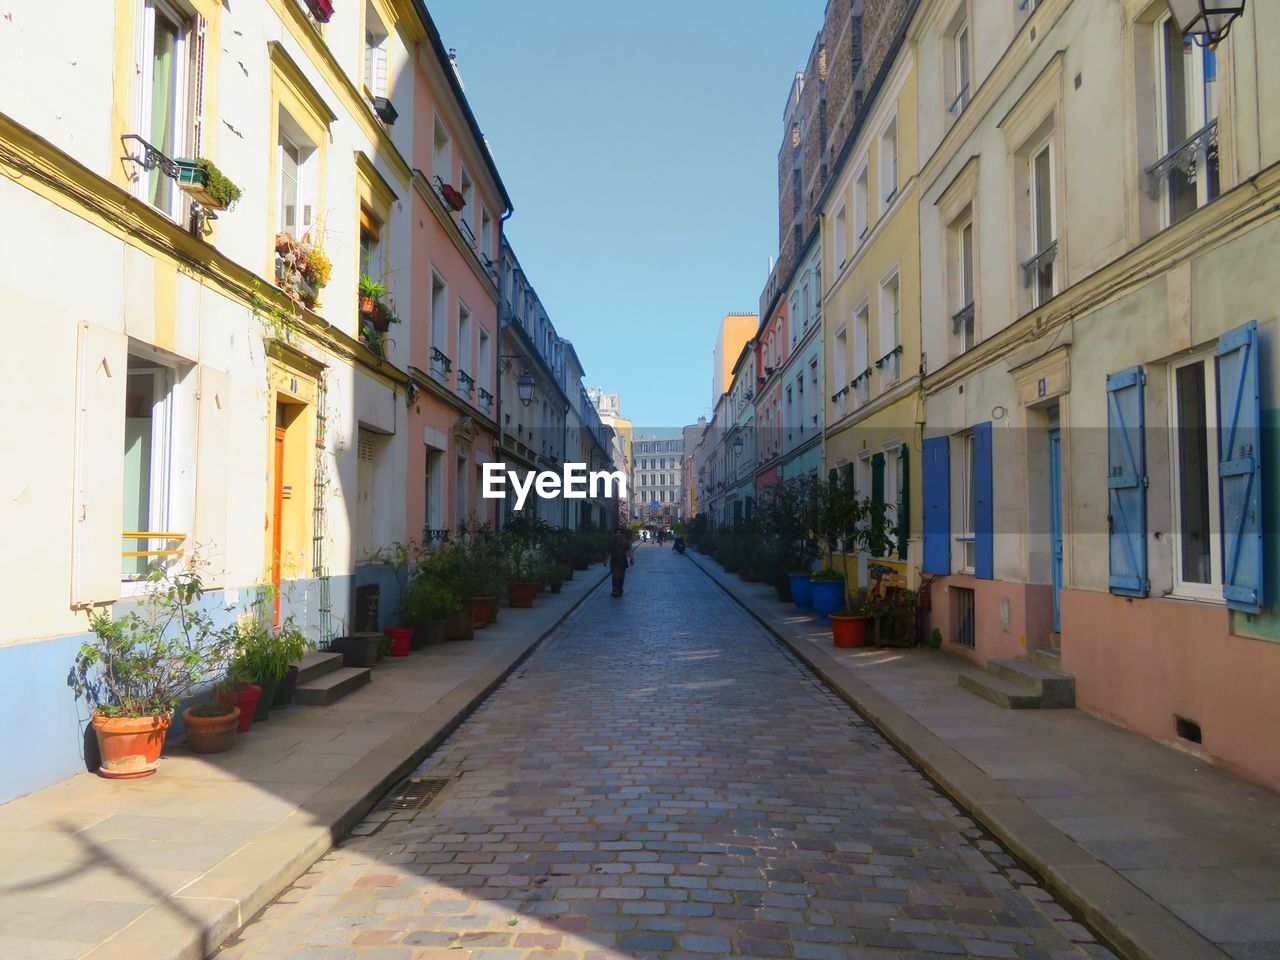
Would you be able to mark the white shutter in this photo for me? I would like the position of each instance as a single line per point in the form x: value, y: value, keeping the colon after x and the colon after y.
x: 213, y: 455
x: 96, y: 543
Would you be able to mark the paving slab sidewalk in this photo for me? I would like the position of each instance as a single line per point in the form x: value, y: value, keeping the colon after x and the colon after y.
x: 1164, y: 855
x: 167, y: 867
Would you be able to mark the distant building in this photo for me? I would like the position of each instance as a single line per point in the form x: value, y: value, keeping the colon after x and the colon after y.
x: 658, y: 480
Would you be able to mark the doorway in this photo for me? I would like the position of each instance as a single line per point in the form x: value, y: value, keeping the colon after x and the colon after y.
x: 1055, y: 520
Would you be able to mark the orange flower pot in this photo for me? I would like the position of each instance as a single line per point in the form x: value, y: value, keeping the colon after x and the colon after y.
x: 129, y: 746
x: 849, y: 631
x: 481, y: 609
x: 520, y: 593
x: 211, y: 734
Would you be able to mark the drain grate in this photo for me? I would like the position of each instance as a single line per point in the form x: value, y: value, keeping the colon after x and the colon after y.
x: 416, y: 794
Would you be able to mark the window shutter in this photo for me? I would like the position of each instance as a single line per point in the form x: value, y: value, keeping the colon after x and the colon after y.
x: 935, y: 483
x: 848, y: 479
x: 1240, y: 468
x: 197, y: 87
x: 983, y: 507
x: 1127, y: 482
x: 213, y: 467
x: 877, y: 488
x: 97, y: 523
x: 833, y: 479
x: 904, y: 500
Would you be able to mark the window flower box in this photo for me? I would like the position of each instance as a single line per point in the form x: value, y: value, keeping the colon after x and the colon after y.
x: 205, y: 184
x: 321, y: 10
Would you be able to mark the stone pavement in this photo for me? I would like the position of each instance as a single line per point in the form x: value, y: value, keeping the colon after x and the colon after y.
x: 167, y: 867
x: 661, y: 780
x: 1167, y: 856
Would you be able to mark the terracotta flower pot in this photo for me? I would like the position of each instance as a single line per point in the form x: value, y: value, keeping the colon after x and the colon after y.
x: 401, y: 637
x: 429, y: 633
x: 848, y: 631
x: 129, y: 746
x: 211, y: 734
x: 480, y: 608
x: 368, y: 305
x: 520, y: 593
x: 245, y: 696
x: 459, y: 626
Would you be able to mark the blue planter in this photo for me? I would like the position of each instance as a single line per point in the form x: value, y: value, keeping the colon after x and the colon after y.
x: 828, y: 597
x: 800, y: 594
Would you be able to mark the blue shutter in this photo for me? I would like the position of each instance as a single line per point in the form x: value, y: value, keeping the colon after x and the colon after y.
x: 983, y: 511
x: 1127, y: 482
x: 1240, y: 468
x: 935, y: 483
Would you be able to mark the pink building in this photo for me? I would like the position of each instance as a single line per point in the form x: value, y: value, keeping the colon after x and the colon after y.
x: 771, y: 357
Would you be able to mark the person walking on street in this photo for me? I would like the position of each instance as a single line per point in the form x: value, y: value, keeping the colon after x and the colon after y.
x: 619, y: 558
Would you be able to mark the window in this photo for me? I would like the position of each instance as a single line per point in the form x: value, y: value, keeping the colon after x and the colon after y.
x: 486, y: 233
x: 147, y: 438
x: 1039, y: 269
x: 839, y: 368
x: 467, y: 189
x: 168, y: 110
x: 862, y: 342
x: 890, y: 333
x: 375, y: 54
x: 460, y: 491
x: 1188, y: 111
x: 485, y: 360
x: 439, y: 320
x: 1196, y: 545
x: 959, y: 78
x: 433, y: 494
x: 841, y: 228
x: 464, y: 346
x: 442, y: 153
x: 961, y: 271
x: 889, y: 162
x: 968, y: 504
x: 370, y: 246
x: 298, y: 163
x: 861, y: 222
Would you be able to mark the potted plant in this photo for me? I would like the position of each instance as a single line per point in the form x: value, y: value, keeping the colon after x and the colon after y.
x: 895, y: 617
x: 206, y: 184
x: 483, y: 571
x: 211, y: 727
x: 370, y: 292
x: 849, y: 624
x: 827, y: 593
x: 428, y: 605
x: 264, y: 655
x: 302, y: 269
x: 453, y: 197
x: 136, y: 669
x: 400, y: 559
x: 241, y: 694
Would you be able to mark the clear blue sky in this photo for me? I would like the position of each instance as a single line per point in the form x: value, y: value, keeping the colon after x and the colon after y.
x: 639, y: 144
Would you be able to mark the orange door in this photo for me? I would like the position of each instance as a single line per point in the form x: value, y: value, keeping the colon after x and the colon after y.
x: 277, y: 519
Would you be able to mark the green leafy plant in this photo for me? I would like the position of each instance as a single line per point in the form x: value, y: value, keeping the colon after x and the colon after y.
x: 485, y: 558
x: 368, y: 287
x: 144, y: 663
x: 265, y: 654
x: 428, y: 600
x: 935, y: 639
x: 400, y: 559
x: 220, y: 187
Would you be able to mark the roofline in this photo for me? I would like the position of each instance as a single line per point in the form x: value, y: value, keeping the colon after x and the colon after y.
x: 442, y: 54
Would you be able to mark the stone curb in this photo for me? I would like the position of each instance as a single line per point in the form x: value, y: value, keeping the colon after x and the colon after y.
x: 193, y: 923
x: 1132, y: 923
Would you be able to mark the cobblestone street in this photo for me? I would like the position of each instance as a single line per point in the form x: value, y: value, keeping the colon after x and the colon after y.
x: 660, y: 779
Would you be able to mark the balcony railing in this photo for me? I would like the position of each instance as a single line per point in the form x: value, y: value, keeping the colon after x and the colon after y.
x: 957, y: 105
x: 137, y: 560
x: 469, y: 234
x: 440, y: 364
x: 1187, y: 158
x: 1040, y: 265
x: 466, y: 383
x: 485, y: 401
x: 861, y: 385
x: 890, y: 367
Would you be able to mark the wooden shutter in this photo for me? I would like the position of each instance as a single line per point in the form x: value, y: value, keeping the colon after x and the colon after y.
x: 904, y: 500
x: 877, y: 488
x: 97, y: 522
x: 935, y: 483
x: 983, y: 505
x: 1240, y: 468
x: 1127, y: 482
x: 213, y: 462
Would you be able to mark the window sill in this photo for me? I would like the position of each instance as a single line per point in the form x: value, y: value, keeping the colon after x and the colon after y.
x: 1192, y: 593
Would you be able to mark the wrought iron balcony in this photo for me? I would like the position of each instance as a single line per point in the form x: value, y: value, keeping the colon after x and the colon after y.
x: 1040, y: 265
x: 957, y: 105
x: 861, y: 385
x: 963, y: 320
x: 440, y: 364
x: 466, y: 383
x: 1187, y: 158
x: 485, y: 401
x: 890, y: 367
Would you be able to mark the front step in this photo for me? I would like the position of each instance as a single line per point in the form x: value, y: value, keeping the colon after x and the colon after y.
x: 1055, y: 689
x: 332, y: 685
x: 317, y: 663
x: 1050, y: 657
x: 1001, y: 692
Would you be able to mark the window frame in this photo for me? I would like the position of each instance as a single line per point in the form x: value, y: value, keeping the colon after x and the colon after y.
x: 160, y: 474
x: 1211, y: 591
x: 186, y: 110
x: 967, y: 538
x: 1197, y: 115
x: 1042, y: 147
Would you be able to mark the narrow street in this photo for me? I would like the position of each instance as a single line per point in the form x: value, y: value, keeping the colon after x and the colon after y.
x: 660, y: 779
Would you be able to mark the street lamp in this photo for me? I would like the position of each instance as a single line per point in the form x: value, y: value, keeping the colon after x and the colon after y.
x: 1205, y: 21
x: 737, y: 444
x: 524, y: 387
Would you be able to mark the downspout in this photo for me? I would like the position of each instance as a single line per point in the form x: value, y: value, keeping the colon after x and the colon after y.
x: 497, y: 354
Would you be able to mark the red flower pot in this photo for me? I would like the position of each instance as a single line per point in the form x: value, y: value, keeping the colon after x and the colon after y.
x: 245, y: 696
x: 520, y: 593
x: 481, y: 609
x: 848, y: 631
x: 400, y: 639
x: 129, y: 747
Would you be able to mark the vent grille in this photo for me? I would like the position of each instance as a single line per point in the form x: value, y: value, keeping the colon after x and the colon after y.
x: 415, y: 794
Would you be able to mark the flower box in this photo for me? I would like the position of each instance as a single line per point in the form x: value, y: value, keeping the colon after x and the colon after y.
x: 205, y: 184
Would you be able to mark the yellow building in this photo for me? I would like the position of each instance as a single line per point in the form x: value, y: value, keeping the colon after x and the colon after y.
x: 871, y: 308
x: 735, y: 330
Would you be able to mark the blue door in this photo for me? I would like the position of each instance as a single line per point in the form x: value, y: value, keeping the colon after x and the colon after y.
x: 1055, y: 522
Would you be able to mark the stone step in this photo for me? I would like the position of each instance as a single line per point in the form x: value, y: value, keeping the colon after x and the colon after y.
x: 1050, y: 657
x: 1001, y: 692
x: 331, y: 686
x: 316, y: 664
x: 1055, y: 688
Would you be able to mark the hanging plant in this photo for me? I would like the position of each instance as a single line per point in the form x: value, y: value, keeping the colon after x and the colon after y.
x: 201, y: 180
